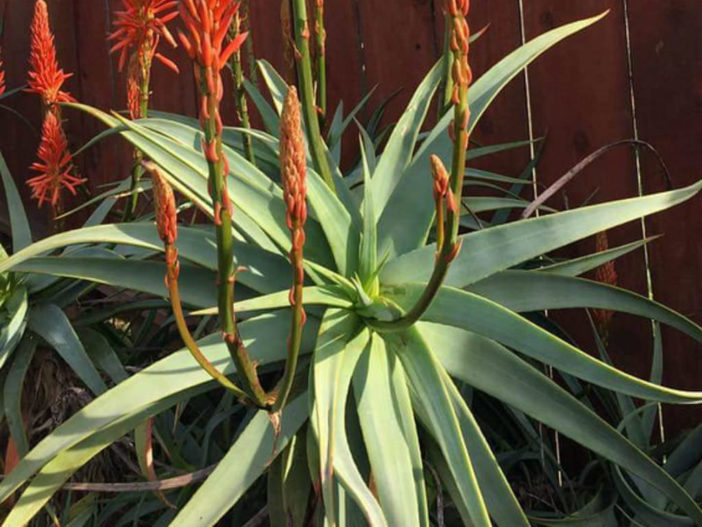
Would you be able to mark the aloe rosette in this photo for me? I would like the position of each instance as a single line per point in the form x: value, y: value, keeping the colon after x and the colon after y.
x: 369, y: 256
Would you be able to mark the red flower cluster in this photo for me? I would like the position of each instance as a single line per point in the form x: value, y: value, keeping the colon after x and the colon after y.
x: 54, y: 164
x: 207, y: 23
x: 141, y: 25
x: 45, y: 76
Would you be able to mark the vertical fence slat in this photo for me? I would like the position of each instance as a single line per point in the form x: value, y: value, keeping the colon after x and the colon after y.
x: 399, y: 46
x: 666, y: 45
x: 580, y: 94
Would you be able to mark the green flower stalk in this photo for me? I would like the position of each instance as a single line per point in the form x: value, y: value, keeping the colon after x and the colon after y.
x: 306, y: 83
x: 321, y: 56
x: 140, y: 27
x: 448, y: 246
x: 242, y: 106
x: 167, y: 226
x: 293, y: 165
x: 207, y: 23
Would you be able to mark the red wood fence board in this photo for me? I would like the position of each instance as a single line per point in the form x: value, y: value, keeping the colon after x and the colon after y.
x: 666, y: 44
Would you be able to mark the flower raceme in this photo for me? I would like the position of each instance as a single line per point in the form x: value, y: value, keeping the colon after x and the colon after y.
x: 46, y: 78
x: 207, y: 24
x: 54, y: 165
x: 293, y: 165
x: 141, y: 25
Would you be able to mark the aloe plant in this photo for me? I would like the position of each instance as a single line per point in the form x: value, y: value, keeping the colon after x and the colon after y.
x: 375, y: 406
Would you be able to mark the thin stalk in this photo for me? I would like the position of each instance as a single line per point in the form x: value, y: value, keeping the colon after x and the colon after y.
x: 188, y: 340
x: 448, y: 250
x: 242, y: 106
x: 321, y: 49
x: 225, y: 242
x: 293, y: 168
x: 249, y: 44
x: 295, y: 341
x: 137, y: 169
x: 445, y: 101
x: 306, y: 81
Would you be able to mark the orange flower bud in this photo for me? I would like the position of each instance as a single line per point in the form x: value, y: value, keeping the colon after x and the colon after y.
x: 293, y: 164
x: 166, y: 213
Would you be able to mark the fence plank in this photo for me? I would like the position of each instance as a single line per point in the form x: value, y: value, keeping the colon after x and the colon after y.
x: 666, y: 44
x: 580, y: 94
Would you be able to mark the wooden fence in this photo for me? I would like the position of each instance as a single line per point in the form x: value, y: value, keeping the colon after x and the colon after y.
x: 636, y: 73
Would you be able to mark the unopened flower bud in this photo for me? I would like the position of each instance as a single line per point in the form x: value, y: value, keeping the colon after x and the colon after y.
x: 166, y: 213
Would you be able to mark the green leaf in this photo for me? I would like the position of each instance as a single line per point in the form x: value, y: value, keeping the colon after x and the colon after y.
x: 265, y: 271
x: 246, y: 460
x: 489, y: 251
x: 325, y: 295
x: 511, y: 380
x: 51, y: 324
x: 19, y: 224
x: 398, y: 151
x: 428, y: 388
x: 12, y: 328
x: 103, y: 354
x: 390, y: 436
x: 134, y: 399
x: 145, y: 277
x: 59, y: 469
x: 408, y: 216
x: 524, y: 291
x: 582, y: 265
x: 339, y: 347
x: 12, y: 394
x: 289, y: 485
x: 499, y: 497
x: 335, y: 220
x: 270, y: 119
x: 465, y: 310
x: 368, y: 258
x: 644, y: 511
x: 277, y: 86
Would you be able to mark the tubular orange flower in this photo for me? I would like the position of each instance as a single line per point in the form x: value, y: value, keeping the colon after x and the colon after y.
x: 54, y: 165
x: 207, y: 23
x: 141, y: 25
x: 45, y: 76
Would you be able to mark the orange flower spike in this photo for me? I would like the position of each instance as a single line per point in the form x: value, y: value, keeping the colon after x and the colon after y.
x: 293, y: 165
x: 45, y: 76
x: 165, y: 205
x: 54, y: 165
x: 140, y: 26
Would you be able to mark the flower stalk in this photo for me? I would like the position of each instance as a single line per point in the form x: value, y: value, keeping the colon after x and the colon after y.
x: 167, y: 226
x: 207, y: 23
x: 321, y: 56
x: 293, y: 166
x: 448, y: 246
x: 305, y: 77
x: 140, y: 26
x: 242, y: 106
